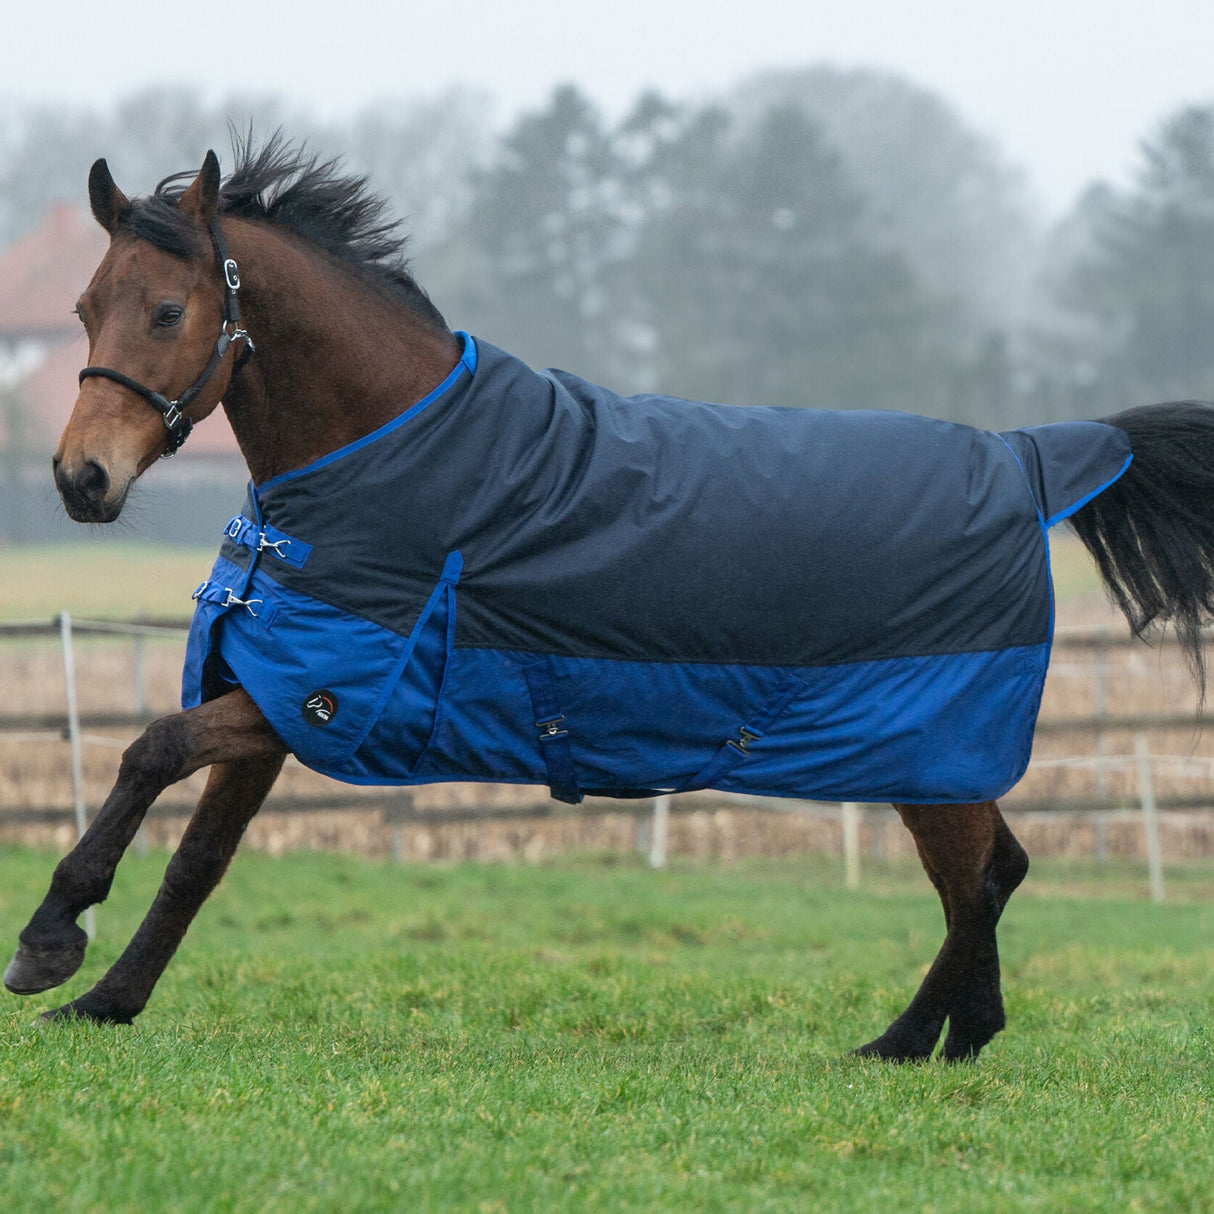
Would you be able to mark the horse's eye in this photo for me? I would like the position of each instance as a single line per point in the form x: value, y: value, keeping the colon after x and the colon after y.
x: 167, y: 315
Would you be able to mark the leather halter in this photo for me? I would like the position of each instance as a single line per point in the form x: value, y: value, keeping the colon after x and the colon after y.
x: 175, y: 421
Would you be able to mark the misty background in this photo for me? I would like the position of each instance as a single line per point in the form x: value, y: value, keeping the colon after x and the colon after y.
x: 816, y: 237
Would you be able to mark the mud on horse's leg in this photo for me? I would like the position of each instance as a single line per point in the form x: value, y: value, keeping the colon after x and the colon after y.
x: 975, y: 863
x: 230, y: 730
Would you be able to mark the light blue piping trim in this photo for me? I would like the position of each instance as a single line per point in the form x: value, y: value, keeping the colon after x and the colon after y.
x: 467, y: 363
x: 1083, y: 501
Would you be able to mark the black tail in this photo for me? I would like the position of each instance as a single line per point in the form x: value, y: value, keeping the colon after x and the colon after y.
x: 1152, y: 533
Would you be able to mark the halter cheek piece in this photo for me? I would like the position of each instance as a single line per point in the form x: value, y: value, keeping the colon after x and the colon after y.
x: 175, y: 421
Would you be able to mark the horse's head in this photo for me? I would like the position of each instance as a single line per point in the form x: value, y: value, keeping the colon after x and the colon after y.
x: 159, y: 313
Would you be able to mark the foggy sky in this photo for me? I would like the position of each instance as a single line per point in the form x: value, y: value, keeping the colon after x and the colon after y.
x: 1066, y: 87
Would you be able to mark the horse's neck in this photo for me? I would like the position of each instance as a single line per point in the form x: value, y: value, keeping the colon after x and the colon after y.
x: 336, y: 358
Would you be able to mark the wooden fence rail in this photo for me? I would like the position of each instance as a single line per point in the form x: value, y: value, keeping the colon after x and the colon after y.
x: 398, y: 809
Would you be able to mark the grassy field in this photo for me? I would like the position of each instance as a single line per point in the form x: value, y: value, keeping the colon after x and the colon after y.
x: 344, y: 1036
x: 104, y: 579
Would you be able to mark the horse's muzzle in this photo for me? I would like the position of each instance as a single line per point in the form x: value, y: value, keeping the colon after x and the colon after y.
x: 87, y: 492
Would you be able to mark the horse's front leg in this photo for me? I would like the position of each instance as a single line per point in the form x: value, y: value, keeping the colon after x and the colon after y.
x: 234, y: 793
x: 230, y: 729
x: 975, y: 863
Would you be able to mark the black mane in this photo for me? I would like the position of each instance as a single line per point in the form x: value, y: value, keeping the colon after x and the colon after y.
x: 282, y: 184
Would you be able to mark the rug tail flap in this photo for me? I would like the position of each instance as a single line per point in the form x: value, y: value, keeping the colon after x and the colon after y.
x: 1069, y: 463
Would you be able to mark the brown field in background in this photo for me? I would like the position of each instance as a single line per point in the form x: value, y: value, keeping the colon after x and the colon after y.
x: 35, y: 771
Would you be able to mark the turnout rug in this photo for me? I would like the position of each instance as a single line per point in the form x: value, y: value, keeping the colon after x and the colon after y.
x: 527, y: 578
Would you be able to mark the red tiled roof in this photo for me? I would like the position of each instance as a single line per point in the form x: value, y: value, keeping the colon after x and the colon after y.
x: 42, y: 275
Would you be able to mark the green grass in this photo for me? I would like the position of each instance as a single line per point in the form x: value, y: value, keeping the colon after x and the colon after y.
x: 105, y: 579
x: 1072, y: 568
x: 344, y: 1036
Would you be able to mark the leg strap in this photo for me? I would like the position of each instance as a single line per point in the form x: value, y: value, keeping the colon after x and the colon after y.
x: 553, y: 737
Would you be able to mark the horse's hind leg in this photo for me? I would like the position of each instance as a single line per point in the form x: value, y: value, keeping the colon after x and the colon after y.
x: 975, y: 863
x: 234, y: 793
x: 52, y: 946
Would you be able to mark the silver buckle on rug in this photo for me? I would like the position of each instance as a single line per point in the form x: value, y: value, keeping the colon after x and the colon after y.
x: 742, y: 742
x: 550, y: 728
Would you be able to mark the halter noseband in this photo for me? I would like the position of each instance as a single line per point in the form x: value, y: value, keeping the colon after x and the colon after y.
x: 175, y: 421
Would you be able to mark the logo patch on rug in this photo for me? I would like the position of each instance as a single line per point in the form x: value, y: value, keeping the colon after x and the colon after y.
x: 320, y: 708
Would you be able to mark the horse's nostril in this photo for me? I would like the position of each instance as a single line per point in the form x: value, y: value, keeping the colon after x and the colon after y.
x: 93, y: 482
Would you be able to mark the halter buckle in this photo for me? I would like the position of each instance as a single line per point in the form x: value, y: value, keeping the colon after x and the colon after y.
x: 239, y: 334
x: 231, y: 274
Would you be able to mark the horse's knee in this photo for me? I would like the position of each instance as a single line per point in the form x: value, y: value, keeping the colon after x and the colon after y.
x: 1008, y: 867
x: 157, y: 756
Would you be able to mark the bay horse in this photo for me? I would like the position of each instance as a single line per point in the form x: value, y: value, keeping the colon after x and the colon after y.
x: 279, y: 292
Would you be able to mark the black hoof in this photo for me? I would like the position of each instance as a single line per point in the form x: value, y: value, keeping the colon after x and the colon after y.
x: 82, y: 1009
x: 35, y: 969
x: 964, y: 1046
x: 957, y: 1057
x: 902, y: 1042
x: 891, y: 1053
x: 972, y: 1025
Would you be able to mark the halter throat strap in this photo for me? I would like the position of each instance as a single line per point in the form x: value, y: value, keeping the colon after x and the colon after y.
x: 173, y: 411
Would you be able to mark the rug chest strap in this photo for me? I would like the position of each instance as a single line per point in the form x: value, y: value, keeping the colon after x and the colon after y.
x: 554, y: 739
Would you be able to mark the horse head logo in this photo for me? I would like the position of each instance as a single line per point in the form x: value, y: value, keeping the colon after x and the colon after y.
x: 320, y: 708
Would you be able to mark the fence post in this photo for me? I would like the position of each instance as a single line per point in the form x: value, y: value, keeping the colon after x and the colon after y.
x: 139, y: 670
x: 1100, y: 708
x: 398, y: 808
x: 73, y: 733
x: 661, y: 819
x: 850, y: 813
x: 1150, y: 821
x: 139, y: 674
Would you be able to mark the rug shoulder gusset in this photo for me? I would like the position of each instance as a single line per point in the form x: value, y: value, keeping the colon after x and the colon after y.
x: 323, y: 676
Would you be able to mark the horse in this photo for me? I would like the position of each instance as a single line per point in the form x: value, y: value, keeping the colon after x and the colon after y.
x: 280, y: 292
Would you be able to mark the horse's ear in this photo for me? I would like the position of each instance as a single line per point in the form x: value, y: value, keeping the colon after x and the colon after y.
x: 110, y: 205
x: 201, y: 197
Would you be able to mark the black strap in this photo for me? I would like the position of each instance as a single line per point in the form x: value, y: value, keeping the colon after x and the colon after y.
x: 231, y: 294
x: 554, y: 740
x: 175, y: 422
